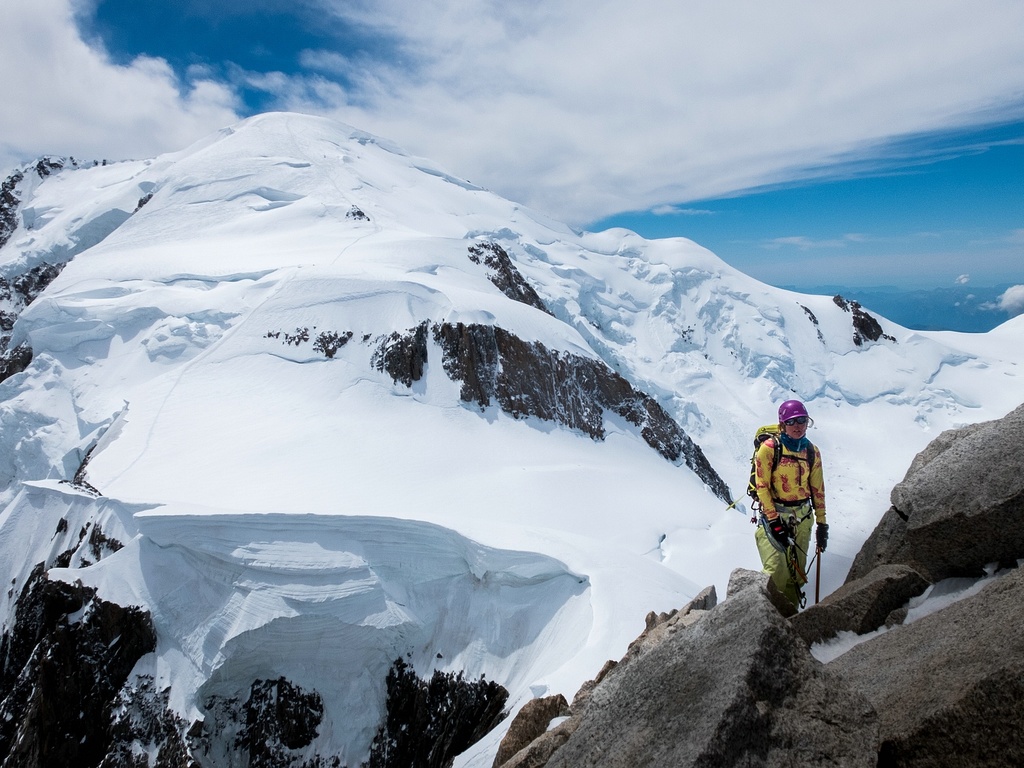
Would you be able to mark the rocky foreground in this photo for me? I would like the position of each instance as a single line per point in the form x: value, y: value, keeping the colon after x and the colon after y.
x: 735, y: 683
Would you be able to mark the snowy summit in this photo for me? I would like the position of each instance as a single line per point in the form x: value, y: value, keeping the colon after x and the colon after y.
x: 316, y: 405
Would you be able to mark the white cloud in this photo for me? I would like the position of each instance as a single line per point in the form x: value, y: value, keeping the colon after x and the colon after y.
x: 963, y: 280
x: 1012, y: 300
x: 587, y: 108
x: 675, y: 210
x: 65, y: 97
x: 805, y: 243
x: 581, y: 109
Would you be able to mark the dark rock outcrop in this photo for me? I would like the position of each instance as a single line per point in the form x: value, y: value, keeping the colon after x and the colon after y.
x: 528, y: 379
x: 67, y: 646
x: 10, y: 199
x: 27, y: 286
x: 48, y: 165
x: 429, y: 723
x: 279, y: 717
x: 860, y: 606
x: 525, y: 378
x: 504, y: 274
x: 949, y: 688
x: 403, y: 356
x: 9, y: 202
x: 144, y: 721
x: 865, y: 326
x: 15, y: 360
x: 273, y: 728
x: 16, y: 294
x: 329, y: 342
x: 143, y: 201
x: 960, y: 506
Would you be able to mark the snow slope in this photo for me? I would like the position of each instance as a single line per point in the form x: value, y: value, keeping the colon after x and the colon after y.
x: 285, y: 512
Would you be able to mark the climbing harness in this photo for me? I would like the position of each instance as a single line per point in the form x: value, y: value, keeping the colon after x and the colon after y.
x: 791, y: 553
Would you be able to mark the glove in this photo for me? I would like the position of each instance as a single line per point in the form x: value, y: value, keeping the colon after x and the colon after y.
x: 780, y: 531
x: 821, y: 534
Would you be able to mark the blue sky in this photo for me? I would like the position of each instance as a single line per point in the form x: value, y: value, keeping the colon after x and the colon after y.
x: 948, y: 214
x: 880, y: 143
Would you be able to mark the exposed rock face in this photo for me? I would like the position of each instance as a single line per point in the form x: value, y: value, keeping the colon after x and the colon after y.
x: 19, y: 289
x: 9, y: 202
x: 735, y: 687
x: 527, y: 379
x: 15, y: 360
x: 47, y: 165
x: 887, y: 545
x: 403, y: 356
x: 279, y: 717
x: 504, y: 275
x: 66, y: 645
x: 270, y: 729
x: 741, y: 579
x: 660, y: 626
x: 530, y: 724
x: 949, y: 688
x: 537, y: 753
x: 71, y: 692
x: 865, y: 326
x: 24, y: 288
x: 960, y: 506
x: 429, y: 723
x: 15, y: 295
x: 144, y: 721
x: 10, y: 199
x: 860, y: 606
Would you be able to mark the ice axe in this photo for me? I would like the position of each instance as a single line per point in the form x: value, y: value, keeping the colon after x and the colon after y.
x: 817, y: 578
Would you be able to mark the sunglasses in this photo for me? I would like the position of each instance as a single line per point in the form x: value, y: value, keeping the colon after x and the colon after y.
x: 796, y: 420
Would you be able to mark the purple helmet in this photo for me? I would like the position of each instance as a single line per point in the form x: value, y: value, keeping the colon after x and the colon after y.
x: 791, y: 409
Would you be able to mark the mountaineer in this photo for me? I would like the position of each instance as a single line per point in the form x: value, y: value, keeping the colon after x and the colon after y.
x: 790, y: 487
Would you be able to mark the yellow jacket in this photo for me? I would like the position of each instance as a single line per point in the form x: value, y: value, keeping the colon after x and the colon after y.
x: 791, y: 481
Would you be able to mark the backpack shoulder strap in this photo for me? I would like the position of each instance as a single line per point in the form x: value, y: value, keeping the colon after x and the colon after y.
x: 778, y: 453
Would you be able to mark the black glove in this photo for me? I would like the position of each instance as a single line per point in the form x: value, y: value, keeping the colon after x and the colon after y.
x: 780, y: 531
x: 821, y: 533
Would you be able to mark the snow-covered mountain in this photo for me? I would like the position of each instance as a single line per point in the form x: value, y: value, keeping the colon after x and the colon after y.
x: 316, y: 405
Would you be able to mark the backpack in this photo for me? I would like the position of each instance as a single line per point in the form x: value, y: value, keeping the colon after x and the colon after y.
x: 762, y: 434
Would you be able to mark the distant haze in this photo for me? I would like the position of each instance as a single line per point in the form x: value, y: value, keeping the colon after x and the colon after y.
x: 959, y: 308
